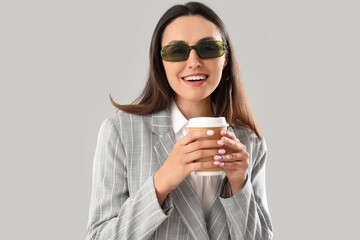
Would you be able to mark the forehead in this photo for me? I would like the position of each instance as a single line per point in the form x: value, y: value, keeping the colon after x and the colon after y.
x: 190, y: 29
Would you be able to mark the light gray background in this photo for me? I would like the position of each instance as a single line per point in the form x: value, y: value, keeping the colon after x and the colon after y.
x: 60, y: 60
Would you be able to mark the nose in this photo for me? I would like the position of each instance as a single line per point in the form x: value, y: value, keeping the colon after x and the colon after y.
x: 194, y: 60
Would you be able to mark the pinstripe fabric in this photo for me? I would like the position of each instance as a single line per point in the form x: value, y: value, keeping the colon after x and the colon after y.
x: 130, y: 150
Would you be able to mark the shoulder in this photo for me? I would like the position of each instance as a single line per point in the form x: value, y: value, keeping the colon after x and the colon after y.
x: 247, y: 135
x: 250, y: 140
x: 122, y: 120
x: 131, y: 123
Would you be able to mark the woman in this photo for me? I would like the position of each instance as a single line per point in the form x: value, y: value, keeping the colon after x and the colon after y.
x: 144, y: 186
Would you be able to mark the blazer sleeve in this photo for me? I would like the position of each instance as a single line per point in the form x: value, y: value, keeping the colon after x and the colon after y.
x: 247, y: 211
x: 113, y: 214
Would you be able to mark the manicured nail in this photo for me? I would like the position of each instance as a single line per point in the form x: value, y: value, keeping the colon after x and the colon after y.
x: 210, y: 132
x: 222, y: 164
x: 220, y: 142
x: 216, y: 163
x: 223, y: 131
x: 221, y: 151
x: 217, y: 157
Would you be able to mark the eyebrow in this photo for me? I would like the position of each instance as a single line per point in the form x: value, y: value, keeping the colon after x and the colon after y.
x: 201, y: 40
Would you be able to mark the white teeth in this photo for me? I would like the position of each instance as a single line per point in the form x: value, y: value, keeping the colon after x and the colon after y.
x: 195, y: 78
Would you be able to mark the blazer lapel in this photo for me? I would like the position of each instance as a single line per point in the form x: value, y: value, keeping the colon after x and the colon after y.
x: 184, y: 196
x: 217, y: 222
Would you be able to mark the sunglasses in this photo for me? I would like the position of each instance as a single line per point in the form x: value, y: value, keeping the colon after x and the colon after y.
x: 181, y: 52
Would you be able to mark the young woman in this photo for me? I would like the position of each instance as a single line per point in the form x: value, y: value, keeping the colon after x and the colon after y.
x: 144, y: 186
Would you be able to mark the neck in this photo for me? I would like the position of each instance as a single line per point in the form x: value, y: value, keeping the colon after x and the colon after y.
x: 191, y: 109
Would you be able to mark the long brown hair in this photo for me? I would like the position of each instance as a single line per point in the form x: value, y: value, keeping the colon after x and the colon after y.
x: 229, y: 97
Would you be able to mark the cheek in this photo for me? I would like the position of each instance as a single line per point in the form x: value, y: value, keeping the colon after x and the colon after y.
x: 218, y: 68
x: 172, y: 70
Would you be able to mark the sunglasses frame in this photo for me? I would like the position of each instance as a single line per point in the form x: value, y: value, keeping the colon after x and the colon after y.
x: 223, y: 49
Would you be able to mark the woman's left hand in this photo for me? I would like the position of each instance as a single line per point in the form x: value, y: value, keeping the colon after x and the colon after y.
x: 235, y: 161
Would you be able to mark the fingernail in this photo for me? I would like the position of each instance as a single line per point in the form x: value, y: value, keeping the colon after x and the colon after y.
x: 210, y: 132
x: 223, y: 131
x: 216, y: 163
x: 222, y: 164
x: 221, y: 151
x: 217, y: 157
x: 220, y: 142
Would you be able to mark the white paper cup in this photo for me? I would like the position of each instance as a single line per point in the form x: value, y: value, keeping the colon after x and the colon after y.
x: 209, y: 123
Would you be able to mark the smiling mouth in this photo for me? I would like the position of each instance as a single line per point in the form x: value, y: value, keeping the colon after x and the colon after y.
x: 195, y: 78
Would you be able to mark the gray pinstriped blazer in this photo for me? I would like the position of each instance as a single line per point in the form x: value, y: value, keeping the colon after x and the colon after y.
x: 130, y: 150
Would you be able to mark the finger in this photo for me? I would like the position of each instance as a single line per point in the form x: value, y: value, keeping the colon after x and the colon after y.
x: 201, y: 165
x: 203, y: 153
x: 234, y: 165
x: 230, y: 157
x: 203, y: 144
x: 194, y: 135
x: 228, y: 134
x: 233, y: 144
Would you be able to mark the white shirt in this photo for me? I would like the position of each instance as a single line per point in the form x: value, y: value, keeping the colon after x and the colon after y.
x: 205, y: 186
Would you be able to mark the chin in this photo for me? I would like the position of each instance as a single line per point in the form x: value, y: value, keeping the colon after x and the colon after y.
x: 197, y: 97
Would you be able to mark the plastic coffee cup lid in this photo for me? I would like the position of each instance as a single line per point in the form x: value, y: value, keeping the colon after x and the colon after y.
x: 207, y: 122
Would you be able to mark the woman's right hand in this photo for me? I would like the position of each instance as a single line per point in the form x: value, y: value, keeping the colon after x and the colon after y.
x: 180, y: 163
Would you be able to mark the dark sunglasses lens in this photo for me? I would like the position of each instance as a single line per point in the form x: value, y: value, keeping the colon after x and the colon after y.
x: 178, y: 52
x: 210, y: 49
